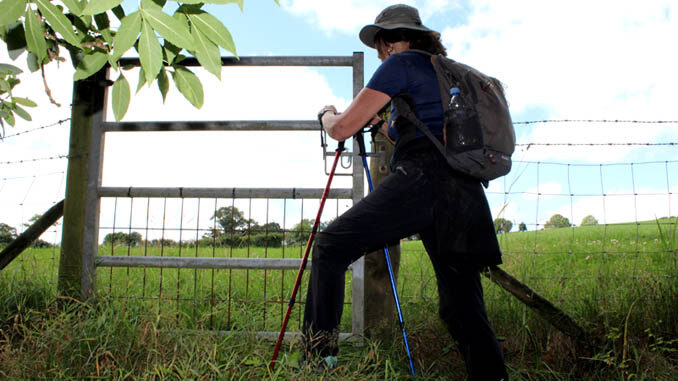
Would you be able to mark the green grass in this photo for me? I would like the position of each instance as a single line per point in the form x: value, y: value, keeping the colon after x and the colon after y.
x: 620, y: 282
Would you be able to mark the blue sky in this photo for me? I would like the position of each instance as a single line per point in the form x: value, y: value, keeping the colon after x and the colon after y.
x: 558, y: 60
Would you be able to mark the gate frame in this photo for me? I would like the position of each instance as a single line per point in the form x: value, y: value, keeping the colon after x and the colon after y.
x: 85, y: 169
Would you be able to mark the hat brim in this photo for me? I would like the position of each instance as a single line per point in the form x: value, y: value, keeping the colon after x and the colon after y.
x: 368, y: 32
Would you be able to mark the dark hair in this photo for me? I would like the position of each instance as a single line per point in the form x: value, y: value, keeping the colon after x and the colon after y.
x: 426, y: 41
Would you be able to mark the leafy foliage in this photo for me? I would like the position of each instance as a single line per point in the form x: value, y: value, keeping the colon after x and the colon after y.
x: 557, y: 221
x: 300, y: 232
x: 7, y: 234
x: 44, y: 27
x: 502, y: 225
x: 128, y: 239
x: 230, y: 219
x: 9, y: 104
x: 589, y: 220
x: 522, y: 227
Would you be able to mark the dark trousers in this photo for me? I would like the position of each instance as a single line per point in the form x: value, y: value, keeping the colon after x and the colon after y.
x: 404, y: 204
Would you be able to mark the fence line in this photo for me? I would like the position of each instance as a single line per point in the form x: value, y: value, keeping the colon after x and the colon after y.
x: 594, y: 144
x: 614, y: 121
x: 218, y: 293
x: 57, y: 123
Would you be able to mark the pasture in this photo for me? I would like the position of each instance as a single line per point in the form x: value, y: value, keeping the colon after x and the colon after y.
x: 619, y: 282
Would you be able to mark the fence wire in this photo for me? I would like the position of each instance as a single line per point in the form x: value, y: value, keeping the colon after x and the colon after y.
x: 620, y: 251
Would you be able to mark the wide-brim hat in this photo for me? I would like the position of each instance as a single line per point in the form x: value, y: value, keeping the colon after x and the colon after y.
x: 397, y: 16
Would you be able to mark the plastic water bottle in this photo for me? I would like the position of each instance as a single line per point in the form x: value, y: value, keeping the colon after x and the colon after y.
x: 462, y: 117
x: 456, y: 103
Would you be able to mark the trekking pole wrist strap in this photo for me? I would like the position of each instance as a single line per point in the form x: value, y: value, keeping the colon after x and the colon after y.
x: 322, y: 113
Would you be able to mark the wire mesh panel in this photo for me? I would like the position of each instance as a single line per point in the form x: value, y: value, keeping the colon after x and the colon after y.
x: 244, y: 291
x: 575, y: 241
x: 213, y: 258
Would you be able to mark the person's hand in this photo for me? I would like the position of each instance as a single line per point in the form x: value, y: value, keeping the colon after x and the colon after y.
x: 325, y: 110
x: 375, y: 120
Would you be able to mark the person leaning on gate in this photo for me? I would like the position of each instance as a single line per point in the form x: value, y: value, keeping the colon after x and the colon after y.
x: 422, y: 195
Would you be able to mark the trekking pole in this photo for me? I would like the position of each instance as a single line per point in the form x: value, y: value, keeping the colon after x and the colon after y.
x: 304, y: 260
x: 363, y: 155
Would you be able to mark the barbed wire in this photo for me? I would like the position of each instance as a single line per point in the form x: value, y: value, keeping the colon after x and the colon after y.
x: 596, y: 165
x: 56, y: 157
x: 62, y: 121
x: 528, y: 145
x: 32, y: 176
x: 629, y: 121
x: 547, y: 194
x: 595, y: 144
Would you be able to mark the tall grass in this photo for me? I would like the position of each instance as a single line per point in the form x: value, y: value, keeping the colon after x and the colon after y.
x: 620, y: 282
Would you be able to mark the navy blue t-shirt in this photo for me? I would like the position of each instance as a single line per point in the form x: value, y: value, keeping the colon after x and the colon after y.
x: 411, y: 72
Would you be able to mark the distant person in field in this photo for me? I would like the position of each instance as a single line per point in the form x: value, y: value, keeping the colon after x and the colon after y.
x: 423, y: 195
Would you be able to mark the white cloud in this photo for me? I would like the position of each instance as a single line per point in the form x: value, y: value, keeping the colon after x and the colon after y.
x: 617, y: 207
x: 348, y: 16
x: 29, y: 186
x: 208, y: 159
x: 577, y: 60
x: 228, y: 159
x: 545, y: 191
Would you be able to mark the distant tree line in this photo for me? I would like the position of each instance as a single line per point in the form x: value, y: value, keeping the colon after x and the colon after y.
x: 9, y: 233
x: 231, y: 229
x: 502, y: 225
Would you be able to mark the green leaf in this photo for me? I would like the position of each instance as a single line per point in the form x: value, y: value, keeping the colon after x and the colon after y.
x: 74, y: 6
x: 22, y: 113
x: 142, y: 79
x: 153, y: 4
x: 24, y: 102
x: 35, y: 35
x: 100, y: 6
x: 15, y: 40
x: 9, y: 118
x: 207, y: 53
x: 163, y: 84
x: 90, y: 64
x: 211, y: 27
x: 32, y: 62
x: 102, y: 21
x: 121, y: 97
x: 4, y: 86
x: 58, y: 21
x: 189, y: 85
x: 11, y: 10
x: 239, y: 2
x: 171, y: 51
x: 119, y: 12
x: 127, y: 34
x: 9, y: 69
x: 168, y: 27
x: 83, y: 24
x: 13, y: 82
x: 104, y: 27
x: 112, y: 62
x: 150, y: 52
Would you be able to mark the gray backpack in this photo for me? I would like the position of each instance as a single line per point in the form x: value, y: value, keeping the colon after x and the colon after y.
x: 478, y: 137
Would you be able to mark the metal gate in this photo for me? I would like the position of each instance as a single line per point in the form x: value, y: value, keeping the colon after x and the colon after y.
x: 92, y: 259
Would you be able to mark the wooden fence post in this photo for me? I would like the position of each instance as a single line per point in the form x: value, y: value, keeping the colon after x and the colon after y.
x: 380, y: 312
x: 25, y: 239
x: 86, y: 113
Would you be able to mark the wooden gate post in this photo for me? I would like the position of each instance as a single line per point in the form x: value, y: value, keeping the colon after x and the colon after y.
x: 76, y: 270
x: 380, y: 312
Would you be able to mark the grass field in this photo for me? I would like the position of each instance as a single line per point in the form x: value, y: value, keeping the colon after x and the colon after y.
x: 620, y: 282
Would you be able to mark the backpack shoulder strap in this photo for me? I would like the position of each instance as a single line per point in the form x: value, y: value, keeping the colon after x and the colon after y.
x: 406, y: 112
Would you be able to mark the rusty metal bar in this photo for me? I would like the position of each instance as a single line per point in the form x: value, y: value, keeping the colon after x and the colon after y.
x: 199, y: 262
x: 213, y: 125
x: 264, y: 61
x: 180, y: 192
